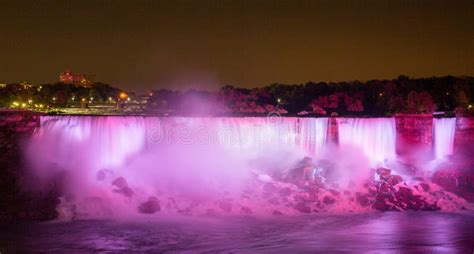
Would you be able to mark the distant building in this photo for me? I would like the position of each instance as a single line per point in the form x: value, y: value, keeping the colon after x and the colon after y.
x: 26, y: 85
x: 68, y: 77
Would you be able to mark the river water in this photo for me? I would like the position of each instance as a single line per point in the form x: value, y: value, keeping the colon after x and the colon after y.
x: 390, y: 232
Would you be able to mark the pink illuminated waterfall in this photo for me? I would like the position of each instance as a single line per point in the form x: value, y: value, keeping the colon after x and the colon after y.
x: 194, y: 158
x: 313, y: 135
x: 129, y: 165
x: 108, y: 141
x: 375, y: 137
x: 443, y: 137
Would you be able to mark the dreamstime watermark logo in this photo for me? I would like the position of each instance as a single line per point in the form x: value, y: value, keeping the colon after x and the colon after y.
x: 273, y: 118
x: 220, y: 131
x: 181, y: 134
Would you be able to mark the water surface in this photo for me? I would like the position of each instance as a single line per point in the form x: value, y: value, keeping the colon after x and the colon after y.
x: 374, y: 233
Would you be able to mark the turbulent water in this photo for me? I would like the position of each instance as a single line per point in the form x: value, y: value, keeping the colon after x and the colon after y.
x: 366, y: 233
x: 443, y: 130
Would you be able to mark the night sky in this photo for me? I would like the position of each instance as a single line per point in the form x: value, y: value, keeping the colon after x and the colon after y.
x: 140, y: 45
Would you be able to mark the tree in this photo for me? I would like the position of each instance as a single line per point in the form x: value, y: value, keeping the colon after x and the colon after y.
x: 420, y: 103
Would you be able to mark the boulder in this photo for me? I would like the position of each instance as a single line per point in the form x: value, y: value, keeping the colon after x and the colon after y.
x: 122, y: 187
x: 328, y: 200
x: 383, y: 203
x: 362, y: 199
x: 384, y: 173
x: 383, y: 188
x: 302, y: 207
x: 334, y: 192
x: 460, y: 183
x: 276, y: 212
x: 120, y: 183
x: 394, y: 179
x: 425, y: 187
x: 125, y: 191
x: 151, y: 206
x: 245, y: 210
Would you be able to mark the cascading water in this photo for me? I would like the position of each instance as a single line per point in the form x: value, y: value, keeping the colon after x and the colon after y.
x: 313, y: 135
x: 376, y: 137
x: 443, y: 137
x: 122, y: 165
x: 192, y: 157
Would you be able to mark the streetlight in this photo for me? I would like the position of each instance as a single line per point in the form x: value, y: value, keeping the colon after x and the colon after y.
x: 123, y: 95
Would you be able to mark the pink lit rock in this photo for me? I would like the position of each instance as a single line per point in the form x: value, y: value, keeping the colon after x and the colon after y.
x: 394, y: 179
x: 122, y: 187
x: 120, y: 183
x: 246, y: 210
x: 328, y: 200
x: 277, y: 213
x: 151, y: 206
x: 302, y: 207
x: 384, y: 173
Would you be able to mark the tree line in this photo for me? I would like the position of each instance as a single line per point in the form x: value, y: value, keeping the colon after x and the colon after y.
x: 450, y: 94
x: 371, y: 98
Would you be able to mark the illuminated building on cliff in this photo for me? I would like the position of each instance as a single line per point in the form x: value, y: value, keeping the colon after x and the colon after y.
x: 68, y: 77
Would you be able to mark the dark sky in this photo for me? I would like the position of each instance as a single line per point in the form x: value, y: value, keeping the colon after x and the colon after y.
x: 142, y: 45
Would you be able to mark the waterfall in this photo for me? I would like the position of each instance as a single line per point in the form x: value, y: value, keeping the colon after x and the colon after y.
x: 376, y: 137
x: 88, y: 141
x: 109, y: 141
x: 313, y: 135
x: 443, y: 138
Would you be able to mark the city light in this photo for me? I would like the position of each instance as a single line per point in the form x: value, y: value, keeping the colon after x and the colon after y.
x: 470, y: 106
x: 123, y: 95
